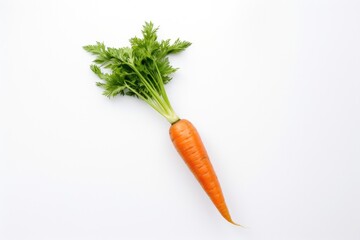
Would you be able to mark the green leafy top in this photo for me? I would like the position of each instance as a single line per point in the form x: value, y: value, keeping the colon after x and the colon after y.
x: 140, y: 70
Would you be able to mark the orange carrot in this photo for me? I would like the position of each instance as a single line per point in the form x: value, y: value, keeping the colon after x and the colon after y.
x: 141, y: 71
x: 188, y: 143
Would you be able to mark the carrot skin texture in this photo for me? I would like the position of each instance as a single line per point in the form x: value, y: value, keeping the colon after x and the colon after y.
x: 188, y: 143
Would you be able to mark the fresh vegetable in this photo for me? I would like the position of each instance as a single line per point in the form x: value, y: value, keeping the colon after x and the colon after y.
x: 188, y: 143
x: 142, y: 70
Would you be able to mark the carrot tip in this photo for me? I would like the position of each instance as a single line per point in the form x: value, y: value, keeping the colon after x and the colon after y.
x: 228, y: 218
x: 234, y: 223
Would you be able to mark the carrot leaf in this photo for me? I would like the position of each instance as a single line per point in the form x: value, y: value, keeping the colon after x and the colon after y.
x: 140, y: 70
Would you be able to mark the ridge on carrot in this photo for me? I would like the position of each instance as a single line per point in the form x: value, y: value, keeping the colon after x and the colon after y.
x: 142, y: 70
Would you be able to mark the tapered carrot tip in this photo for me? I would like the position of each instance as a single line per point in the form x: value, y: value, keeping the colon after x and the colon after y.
x: 234, y: 223
x: 225, y: 213
x: 189, y: 145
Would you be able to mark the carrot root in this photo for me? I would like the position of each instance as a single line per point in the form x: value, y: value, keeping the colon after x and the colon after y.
x: 189, y: 145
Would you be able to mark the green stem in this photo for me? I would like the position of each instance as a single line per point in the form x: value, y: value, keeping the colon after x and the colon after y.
x: 164, y: 94
x: 156, y: 101
x: 158, y: 107
x: 147, y: 85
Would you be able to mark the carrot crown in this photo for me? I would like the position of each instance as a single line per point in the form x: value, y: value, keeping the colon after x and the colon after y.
x: 140, y: 70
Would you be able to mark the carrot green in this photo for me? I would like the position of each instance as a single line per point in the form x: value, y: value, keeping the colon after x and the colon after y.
x: 140, y: 70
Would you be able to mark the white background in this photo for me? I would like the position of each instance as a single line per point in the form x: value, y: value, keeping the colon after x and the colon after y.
x: 272, y: 86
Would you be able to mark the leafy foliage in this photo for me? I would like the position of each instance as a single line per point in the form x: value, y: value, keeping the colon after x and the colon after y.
x: 146, y: 57
x: 140, y: 70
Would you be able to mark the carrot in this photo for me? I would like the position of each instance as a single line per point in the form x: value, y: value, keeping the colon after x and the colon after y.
x: 188, y: 143
x: 141, y: 71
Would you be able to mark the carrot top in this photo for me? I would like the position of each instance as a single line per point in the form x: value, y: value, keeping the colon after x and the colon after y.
x: 140, y: 70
